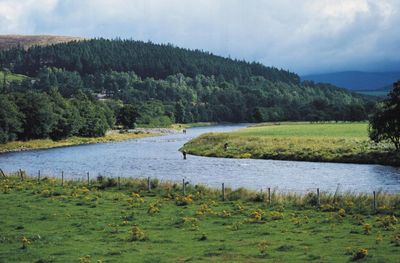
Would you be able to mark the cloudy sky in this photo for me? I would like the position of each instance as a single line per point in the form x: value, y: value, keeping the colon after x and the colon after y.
x: 305, y: 36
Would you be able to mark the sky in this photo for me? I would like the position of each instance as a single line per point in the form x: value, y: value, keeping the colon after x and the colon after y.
x: 303, y: 36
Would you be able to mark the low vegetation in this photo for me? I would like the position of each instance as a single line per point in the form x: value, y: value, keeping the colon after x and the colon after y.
x: 48, y: 143
x: 111, y: 220
x: 328, y: 142
x: 23, y: 41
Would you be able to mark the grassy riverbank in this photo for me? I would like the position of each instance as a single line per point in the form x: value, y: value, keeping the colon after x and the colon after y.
x: 332, y: 142
x: 48, y: 143
x: 41, y: 221
x: 16, y: 146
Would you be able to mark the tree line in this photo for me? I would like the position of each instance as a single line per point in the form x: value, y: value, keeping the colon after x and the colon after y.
x: 145, y: 58
x: 85, y: 88
x: 36, y: 115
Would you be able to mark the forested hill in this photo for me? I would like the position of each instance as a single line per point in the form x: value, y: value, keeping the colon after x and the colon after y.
x: 144, y: 58
x: 86, y: 87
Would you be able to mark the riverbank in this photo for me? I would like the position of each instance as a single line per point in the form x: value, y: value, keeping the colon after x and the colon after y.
x: 17, y: 146
x: 331, y: 142
x: 111, y: 136
x: 106, y: 221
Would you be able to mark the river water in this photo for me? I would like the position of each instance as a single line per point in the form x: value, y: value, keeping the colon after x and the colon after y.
x: 158, y: 157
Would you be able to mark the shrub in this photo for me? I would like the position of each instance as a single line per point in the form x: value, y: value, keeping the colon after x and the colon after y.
x: 203, y: 237
x: 257, y: 215
x: 183, y: 200
x: 311, y: 199
x: 360, y: 254
x: 25, y: 242
x: 263, y: 246
x: 367, y: 229
x: 137, y: 234
x: 342, y: 212
x: 106, y: 182
x: 276, y: 215
x: 239, y: 194
x: 387, y: 222
x: 154, y: 208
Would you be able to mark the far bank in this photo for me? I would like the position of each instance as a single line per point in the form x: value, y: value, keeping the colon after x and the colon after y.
x: 111, y: 136
x: 327, y: 142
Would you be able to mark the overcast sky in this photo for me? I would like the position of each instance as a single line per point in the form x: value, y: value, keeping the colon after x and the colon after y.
x: 304, y: 36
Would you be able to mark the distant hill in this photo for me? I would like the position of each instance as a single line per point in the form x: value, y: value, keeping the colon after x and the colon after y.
x: 172, y: 84
x: 144, y: 58
x: 357, y: 80
x: 25, y: 41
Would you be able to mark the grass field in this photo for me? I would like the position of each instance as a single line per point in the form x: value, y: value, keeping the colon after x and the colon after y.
x: 328, y: 142
x: 48, y: 143
x: 41, y: 221
x: 11, y: 77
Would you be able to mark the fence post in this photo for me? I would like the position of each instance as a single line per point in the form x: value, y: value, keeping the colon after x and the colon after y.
x: 88, y: 179
x: 21, y: 174
x: 374, y: 200
x: 62, y: 178
x: 148, y: 184
x: 2, y: 173
x: 269, y: 195
x: 119, y: 182
x: 318, y: 198
x: 223, y: 192
x: 38, y: 177
x: 183, y: 187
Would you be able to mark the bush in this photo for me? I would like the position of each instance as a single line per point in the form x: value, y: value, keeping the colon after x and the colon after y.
x: 137, y: 234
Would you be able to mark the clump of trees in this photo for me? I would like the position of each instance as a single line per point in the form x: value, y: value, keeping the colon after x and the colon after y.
x: 385, y: 123
x: 36, y: 115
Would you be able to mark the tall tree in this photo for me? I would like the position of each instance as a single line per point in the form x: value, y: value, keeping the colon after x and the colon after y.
x: 10, y: 119
x: 385, y: 123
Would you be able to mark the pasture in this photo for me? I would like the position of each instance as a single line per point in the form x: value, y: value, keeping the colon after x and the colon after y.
x: 323, y: 142
x: 107, y: 220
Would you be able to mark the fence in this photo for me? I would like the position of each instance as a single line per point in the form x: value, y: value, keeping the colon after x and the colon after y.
x: 268, y: 196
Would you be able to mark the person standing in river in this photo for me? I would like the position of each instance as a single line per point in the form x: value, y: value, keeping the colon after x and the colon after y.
x: 184, y: 154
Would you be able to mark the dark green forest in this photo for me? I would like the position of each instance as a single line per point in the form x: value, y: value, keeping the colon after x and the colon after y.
x: 85, y: 88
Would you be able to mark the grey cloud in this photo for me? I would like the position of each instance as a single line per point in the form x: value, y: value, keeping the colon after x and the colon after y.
x: 303, y: 36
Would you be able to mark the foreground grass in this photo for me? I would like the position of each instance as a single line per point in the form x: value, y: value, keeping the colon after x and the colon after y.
x: 332, y: 142
x: 41, y: 221
x: 48, y: 143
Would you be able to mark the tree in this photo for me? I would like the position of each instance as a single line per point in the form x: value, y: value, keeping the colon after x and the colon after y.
x: 180, y: 114
x: 10, y: 120
x: 68, y: 120
x: 127, y: 116
x: 40, y: 118
x: 385, y: 123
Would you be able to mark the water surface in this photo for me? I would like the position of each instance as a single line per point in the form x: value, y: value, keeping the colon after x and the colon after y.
x: 159, y: 157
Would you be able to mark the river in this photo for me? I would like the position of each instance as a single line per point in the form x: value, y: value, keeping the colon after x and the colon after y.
x: 158, y: 157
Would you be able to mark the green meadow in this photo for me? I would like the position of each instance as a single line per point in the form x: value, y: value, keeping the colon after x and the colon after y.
x: 324, y: 142
x: 11, y: 77
x: 107, y: 220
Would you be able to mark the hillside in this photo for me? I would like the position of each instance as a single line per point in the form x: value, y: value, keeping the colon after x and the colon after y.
x: 25, y: 41
x: 144, y: 58
x: 156, y: 85
x: 357, y: 80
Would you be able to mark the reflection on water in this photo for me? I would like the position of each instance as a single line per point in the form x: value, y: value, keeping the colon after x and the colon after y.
x: 159, y: 157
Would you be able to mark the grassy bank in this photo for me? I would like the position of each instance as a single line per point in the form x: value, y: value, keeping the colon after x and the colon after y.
x: 42, y: 221
x: 48, y: 143
x: 177, y: 126
x: 331, y: 142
